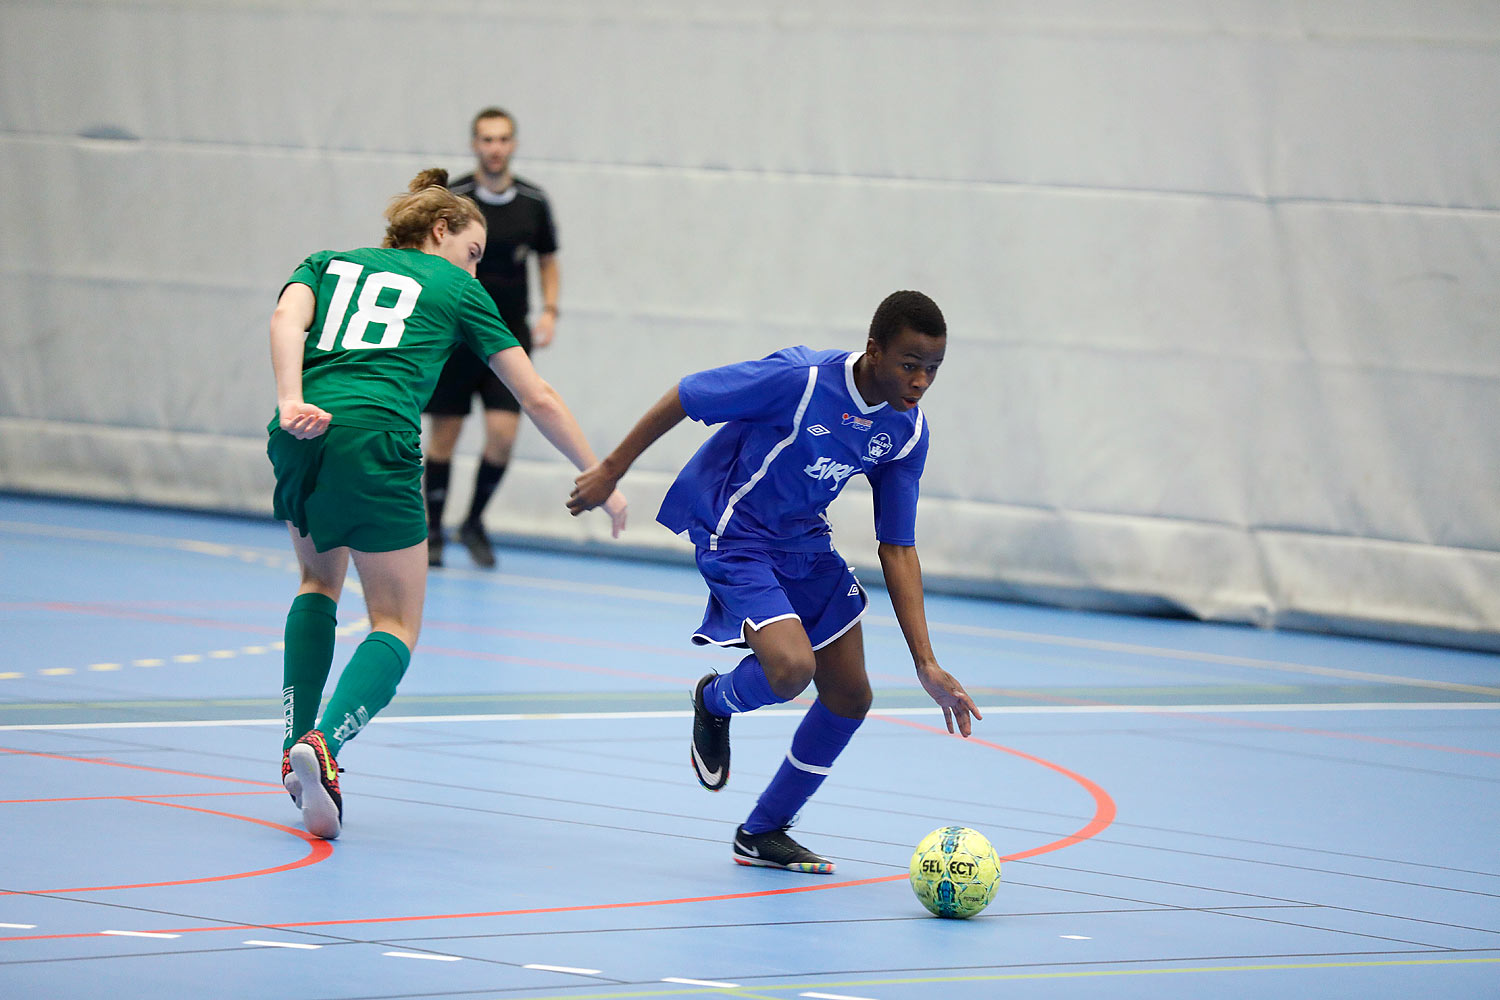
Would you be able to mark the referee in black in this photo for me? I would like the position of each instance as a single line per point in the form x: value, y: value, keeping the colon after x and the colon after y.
x: 520, y: 226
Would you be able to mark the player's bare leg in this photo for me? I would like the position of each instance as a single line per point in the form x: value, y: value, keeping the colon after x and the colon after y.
x: 785, y: 654
x: 395, y: 585
x: 841, y: 679
x: 307, y: 647
x: 843, y: 700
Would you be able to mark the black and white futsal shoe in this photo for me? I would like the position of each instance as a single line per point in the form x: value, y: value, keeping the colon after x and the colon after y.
x: 710, y: 741
x: 775, y: 849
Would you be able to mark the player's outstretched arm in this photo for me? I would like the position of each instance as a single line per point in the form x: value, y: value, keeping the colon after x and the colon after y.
x: 903, y: 579
x: 598, y: 482
x: 294, y: 314
x: 553, y: 418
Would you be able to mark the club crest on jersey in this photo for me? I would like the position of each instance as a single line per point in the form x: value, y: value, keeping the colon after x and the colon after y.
x: 880, y: 446
x: 858, y: 423
x: 818, y: 430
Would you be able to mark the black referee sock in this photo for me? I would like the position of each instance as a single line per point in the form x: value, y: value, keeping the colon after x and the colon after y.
x: 485, y: 482
x: 435, y: 488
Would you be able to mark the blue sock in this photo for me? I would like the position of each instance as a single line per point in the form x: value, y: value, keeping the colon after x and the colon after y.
x: 819, y: 740
x: 743, y: 689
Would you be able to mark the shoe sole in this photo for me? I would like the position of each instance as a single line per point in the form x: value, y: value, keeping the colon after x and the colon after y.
x: 319, y: 813
x: 293, y: 786
x: 822, y: 868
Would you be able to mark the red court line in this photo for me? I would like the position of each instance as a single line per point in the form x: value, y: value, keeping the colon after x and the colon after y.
x: 1332, y: 734
x: 694, y: 653
x: 527, y: 661
x: 121, y: 798
x: 318, y: 850
x: 1227, y: 719
x: 1104, y: 805
x: 135, y: 767
x: 1104, y: 815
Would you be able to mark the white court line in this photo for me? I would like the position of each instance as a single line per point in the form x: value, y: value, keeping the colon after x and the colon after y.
x: 1012, y: 635
x: 413, y: 954
x: 1372, y: 706
x: 701, y: 982
x: 831, y: 996
x: 140, y: 934
x: 285, y: 944
x: 20, y: 927
x: 562, y: 968
x: 667, y: 597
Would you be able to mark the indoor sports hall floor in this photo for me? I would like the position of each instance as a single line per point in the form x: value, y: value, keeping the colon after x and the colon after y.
x: 1188, y: 810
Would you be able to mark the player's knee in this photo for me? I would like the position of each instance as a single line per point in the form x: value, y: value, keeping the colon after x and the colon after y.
x: 791, y: 673
x: 402, y: 628
x: 314, y: 582
x: 851, y: 704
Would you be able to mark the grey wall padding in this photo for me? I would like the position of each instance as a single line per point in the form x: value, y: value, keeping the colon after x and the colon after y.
x: 1221, y: 278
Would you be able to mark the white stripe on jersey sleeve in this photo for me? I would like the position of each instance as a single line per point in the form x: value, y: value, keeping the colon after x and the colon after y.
x: 913, y: 442
x: 812, y: 380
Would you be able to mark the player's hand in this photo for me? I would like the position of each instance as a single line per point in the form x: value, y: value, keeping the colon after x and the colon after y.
x: 304, y: 420
x: 615, y: 508
x: 950, y: 695
x: 593, y: 487
x: 543, y: 330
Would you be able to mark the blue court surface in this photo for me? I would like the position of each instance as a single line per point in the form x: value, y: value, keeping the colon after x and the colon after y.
x: 1186, y: 810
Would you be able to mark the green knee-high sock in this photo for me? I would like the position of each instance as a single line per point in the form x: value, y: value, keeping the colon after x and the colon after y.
x: 308, y: 656
x: 366, y: 686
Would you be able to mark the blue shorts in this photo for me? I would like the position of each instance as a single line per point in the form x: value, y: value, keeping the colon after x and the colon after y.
x: 758, y: 586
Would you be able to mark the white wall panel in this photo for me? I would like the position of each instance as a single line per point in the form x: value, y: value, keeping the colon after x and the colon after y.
x: 1221, y: 276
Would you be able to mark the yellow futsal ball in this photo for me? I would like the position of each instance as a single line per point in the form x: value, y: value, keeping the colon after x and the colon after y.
x: 955, y: 872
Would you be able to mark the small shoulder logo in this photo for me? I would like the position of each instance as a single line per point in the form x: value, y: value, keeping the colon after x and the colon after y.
x: 853, y: 591
x: 880, y: 445
x: 818, y: 430
x: 858, y: 423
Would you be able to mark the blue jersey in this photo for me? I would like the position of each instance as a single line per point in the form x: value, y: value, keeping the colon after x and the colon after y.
x: 795, y: 429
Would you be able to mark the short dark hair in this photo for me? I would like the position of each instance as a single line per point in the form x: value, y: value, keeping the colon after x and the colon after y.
x: 490, y: 112
x: 906, y: 310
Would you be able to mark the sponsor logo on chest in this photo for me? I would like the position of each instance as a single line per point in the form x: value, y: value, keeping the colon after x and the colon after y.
x: 858, y: 423
x: 826, y: 468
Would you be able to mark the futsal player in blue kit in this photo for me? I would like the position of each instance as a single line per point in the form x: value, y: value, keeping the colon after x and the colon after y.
x: 797, y: 425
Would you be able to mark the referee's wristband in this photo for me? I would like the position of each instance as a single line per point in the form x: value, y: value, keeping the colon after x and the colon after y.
x: 552, y: 310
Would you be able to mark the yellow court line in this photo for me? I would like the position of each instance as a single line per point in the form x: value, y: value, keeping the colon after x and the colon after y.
x: 540, y: 583
x: 1106, y: 646
x: 216, y: 549
x: 763, y: 991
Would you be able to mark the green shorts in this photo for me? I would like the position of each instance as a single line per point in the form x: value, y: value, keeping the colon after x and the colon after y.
x: 351, y: 486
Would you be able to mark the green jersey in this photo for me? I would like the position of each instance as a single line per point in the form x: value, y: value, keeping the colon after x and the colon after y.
x: 386, y: 322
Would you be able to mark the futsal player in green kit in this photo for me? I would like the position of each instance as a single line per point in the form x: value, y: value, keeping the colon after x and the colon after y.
x: 357, y: 340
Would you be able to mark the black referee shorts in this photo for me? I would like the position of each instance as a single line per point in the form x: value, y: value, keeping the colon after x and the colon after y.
x: 465, y: 375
